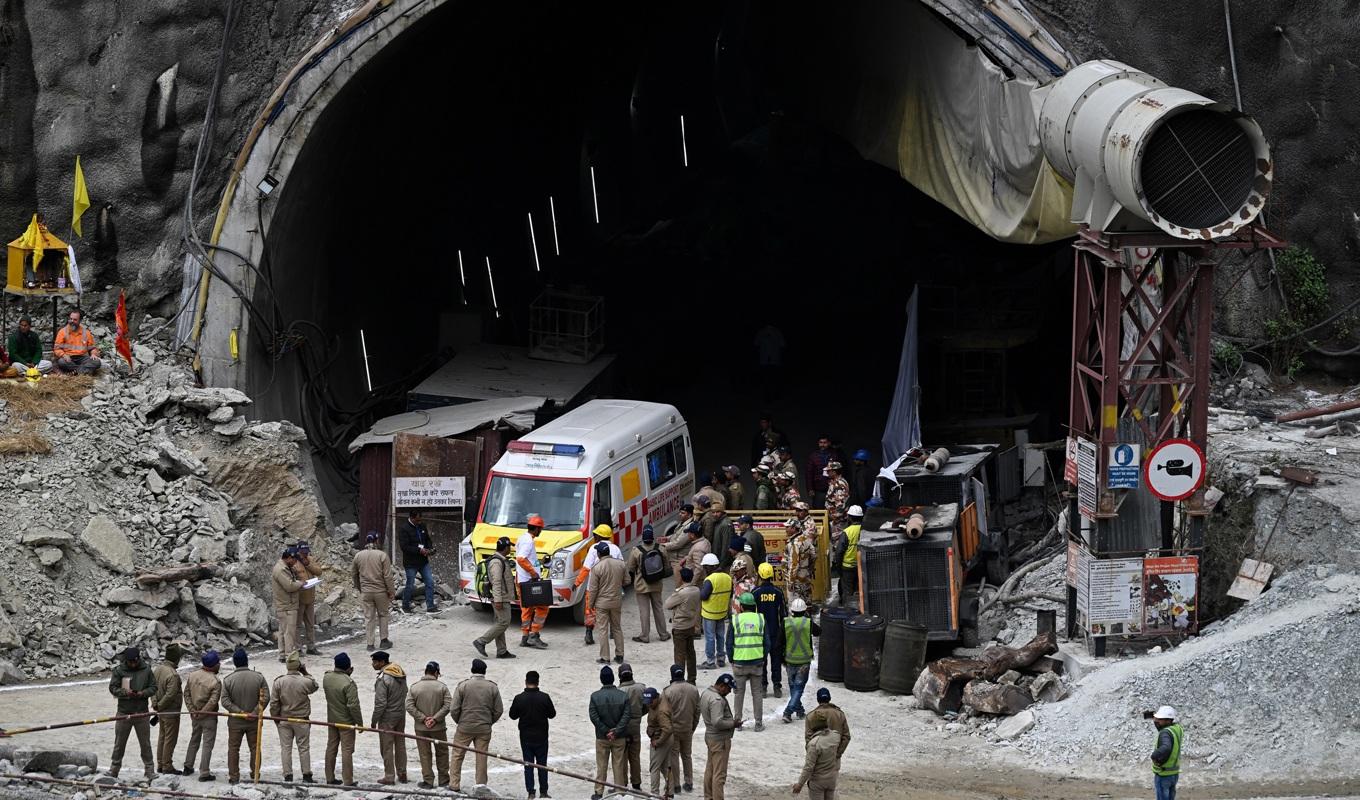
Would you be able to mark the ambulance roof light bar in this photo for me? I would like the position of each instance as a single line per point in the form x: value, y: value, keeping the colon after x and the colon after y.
x: 546, y: 448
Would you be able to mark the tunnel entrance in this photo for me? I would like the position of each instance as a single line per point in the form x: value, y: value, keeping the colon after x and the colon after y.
x: 450, y: 137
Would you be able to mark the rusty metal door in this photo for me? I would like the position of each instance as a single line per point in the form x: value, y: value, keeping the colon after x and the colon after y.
x: 415, y: 456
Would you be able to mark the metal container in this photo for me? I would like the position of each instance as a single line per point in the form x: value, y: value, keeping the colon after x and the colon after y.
x: 863, y: 651
x: 831, y: 644
x: 904, y: 656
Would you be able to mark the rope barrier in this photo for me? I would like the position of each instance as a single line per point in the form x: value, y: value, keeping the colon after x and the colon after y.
x: 259, y: 750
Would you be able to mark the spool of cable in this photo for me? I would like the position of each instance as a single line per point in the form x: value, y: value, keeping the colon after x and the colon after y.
x: 936, y: 460
x: 916, y: 525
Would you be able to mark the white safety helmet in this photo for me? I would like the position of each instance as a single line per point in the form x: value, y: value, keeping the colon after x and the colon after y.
x: 1165, y: 712
x: 709, y: 560
x: 798, y: 606
x: 854, y: 511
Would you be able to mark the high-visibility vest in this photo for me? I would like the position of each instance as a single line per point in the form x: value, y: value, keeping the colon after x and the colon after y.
x: 79, y: 343
x: 1172, y: 764
x: 798, y: 641
x: 851, y: 546
x: 716, y: 606
x: 748, y: 638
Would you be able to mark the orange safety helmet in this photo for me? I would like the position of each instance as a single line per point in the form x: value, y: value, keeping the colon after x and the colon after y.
x: 535, y: 521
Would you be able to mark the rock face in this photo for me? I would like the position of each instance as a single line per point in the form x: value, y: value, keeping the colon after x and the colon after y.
x: 108, y: 544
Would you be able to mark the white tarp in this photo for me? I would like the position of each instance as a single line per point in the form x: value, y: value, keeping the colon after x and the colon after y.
x: 517, y: 412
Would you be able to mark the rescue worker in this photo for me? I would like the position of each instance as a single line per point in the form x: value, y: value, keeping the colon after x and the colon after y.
x: 755, y: 540
x: 133, y: 684
x: 822, y: 764
x: 601, y: 533
x: 783, y: 464
x: 715, y: 607
x: 770, y: 605
x: 735, y: 493
x: 291, y: 700
x: 718, y: 727
x: 834, y: 718
x: 798, y: 632
x: 765, y: 493
x: 709, y: 489
x: 531, y: 618
x: 306, y: 569
x: 416, y: 548
x: 723, y: 534
x: 342, y: 708
x: 609, y: 714
x: 677, y: 542
x: 683, y: 698
x: 786, y: 494
x: 849, y: 552
x: 703, y: 504
x: 502, y: 593
x: 429, y: 702
x: 476, y: 707
x: 803, y: 513
x: 800, y: 560
x: 372, y: 573
x: 244, y: 691
x: 74, y: 349
x: 862, y: 477
x: 533, y: 708
x: 606, y: 600
x: 633, y: 750
x: 748, y: 657
x: 647, y: 592
x: 660, y: 735
x: 837, y: 495
x: 699, y: 549
x: 686, y: 624
x: 202, y: 692
x: 1166, y: 758
x: 389, y: 714
x: 286, y: 590
x: 682, y: 521
x: 167, y: 702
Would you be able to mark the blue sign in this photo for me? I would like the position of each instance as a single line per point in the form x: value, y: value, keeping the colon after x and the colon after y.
x: 1122, y: 470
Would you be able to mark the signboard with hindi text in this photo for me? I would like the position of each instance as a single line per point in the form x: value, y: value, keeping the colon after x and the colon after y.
x: 441, y: 492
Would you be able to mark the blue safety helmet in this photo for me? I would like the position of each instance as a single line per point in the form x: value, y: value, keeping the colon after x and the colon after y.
x: 861, y: 454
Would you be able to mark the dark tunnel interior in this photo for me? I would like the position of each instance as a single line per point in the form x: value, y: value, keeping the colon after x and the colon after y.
x: 451, y: 136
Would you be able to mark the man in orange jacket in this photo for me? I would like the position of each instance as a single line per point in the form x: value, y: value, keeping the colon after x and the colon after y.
x: 74, y: 349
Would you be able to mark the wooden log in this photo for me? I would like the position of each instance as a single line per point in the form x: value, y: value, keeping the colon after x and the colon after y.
x: 940, y: 686
x: 185, y: 572
x: 996, y: 698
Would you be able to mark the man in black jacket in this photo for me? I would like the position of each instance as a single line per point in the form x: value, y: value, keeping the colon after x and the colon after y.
x: 416, y: 548
x: 533, y: 709
x: 609, y: 713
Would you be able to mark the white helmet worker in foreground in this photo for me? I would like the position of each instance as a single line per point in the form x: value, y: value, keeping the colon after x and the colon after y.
x: 715, y: 606
x: 1166, y: 758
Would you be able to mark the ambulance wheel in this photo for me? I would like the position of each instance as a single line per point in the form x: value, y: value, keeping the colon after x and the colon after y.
x: 578, y: 613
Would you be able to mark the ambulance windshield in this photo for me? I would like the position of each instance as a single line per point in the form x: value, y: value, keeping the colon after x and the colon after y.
x: 510, y: 501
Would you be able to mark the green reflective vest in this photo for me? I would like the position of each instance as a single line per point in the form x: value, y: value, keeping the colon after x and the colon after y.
x: 798, y: 641
x: 1172, y: 765
x: 851, y: 535
x: 748, y: 638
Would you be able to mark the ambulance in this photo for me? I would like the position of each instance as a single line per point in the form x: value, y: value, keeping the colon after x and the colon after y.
x: 624, y: 463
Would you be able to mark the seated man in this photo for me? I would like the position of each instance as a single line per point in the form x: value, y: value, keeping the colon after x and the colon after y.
x: 25, y: 350
x: 74, y: 349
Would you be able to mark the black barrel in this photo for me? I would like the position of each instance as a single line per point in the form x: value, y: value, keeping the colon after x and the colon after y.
x: 904, y: 656
x: 831, y: 645
x: 863, y: 651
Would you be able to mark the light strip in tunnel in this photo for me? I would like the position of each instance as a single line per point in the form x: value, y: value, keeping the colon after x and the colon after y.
x: 494, y: 307
x: 533, y: 242
x: 552, y: 210
x: 684, y: 145
x: 363, y: 343
x: 462, y: 276
x: 594, y: 198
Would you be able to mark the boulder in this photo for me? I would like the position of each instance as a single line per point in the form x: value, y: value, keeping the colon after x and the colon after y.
x: 1015, y: 726
x: 188, y: 610
x: 177, y: 462
x: 155, y: 482
x: 221, y: 415
x: 27, y: 483
x: 218, y: 516
x: 32, y: 759
x: 108, y: 544
x: 159, y: 597
x: 49, y: 556
x: 144, y: 612
x: 233, y: 606
x: 10, y: 674
x: 282, y: 430
x: 1048, y: 687
x: 996, y: 698
x: 9, y: 637
x: 76, y: 619
x: 38, y: 536
x: 231, y: 429
x: 207, y: 548
x: 211, y: 398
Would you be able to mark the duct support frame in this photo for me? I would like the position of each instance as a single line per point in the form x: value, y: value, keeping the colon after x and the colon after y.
x: 1162, y: 381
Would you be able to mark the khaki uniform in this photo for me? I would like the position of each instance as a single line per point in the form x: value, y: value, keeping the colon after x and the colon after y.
x: 663, y: 760
x: 202, y: 691
x: 429, y: 697
x: 695, y: 560
x: 342, y: 707
x: 648, y: 595
x: 606, y: 597
x: 837, y: 500
x: 286, y: 588
x: 502, y: 576
x: 677, y: 547
x: 719, y: 501
x: 123, y: 682
x: 372, y: 574
x: 822, y: 765
x: 683, y: 698
x: 291, y: 699
x: 476, y: 707
x: 686, y: 627
x: 168, y: 700
x: 241, y: 694
x: 389, y: 713
x: 736, y: 494
x: 306, y: 616
x: 633, y: 750
x: 835, y: 721
x: 718, y: 727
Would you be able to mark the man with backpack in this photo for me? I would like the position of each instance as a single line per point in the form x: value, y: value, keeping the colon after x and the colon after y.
x: 648, y: 567
x: 495, y: 578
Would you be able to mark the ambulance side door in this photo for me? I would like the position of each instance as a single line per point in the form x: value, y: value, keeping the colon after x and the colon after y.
x: 630, y: 501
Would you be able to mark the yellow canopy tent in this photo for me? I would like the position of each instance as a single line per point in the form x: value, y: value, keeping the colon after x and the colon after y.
x: 51, y: 275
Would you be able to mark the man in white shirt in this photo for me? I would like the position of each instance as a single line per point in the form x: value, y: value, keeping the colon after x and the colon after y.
x: 531, y: 618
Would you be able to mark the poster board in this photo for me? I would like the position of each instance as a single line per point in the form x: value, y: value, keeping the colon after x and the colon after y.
x: 1171, y: 594
x: 1115, y: 596
x: 1088, y: 476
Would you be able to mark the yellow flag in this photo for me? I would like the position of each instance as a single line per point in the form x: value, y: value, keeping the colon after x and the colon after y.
x: 33, y: 240
x: 81, y: 201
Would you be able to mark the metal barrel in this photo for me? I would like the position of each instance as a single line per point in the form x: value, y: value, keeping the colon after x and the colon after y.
x: 863, y: 651
x: 831, y: 644
x: 904, y: 656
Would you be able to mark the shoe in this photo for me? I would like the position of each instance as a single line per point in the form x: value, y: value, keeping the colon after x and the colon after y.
x: 590, y: 636
x: 524, y: 641
x: 596, y: 797
x: 506, y: 654
x: 641, y: 639
x: 545, y: 796
x: 333, y: 782
x: 689, y: 787
x: 721, y: 663
x: 187, y: 771
x: 168, y: 771
x: 479, y: 646
x: 370, y: 648
x: 431, y: 609
x: 708, y: 665
x: 536, y: 642
x: 618, y: 659
x: 764, y: 691
x: 637, y: 787
x: 208, y: 777
x: 386, y: 781
x: 287, y: 778
x: 801, y: 715
x: 665, y: 637
x: 787, y: 719
x: 312, y: 651
x: 307, y: 778
x: 403, y: 779
x: 778, y: 691
x: 601, y: 661
x: 385, y: 644
x: 532, y: 795
x: 234, y: 781
x: 283, y: 658
x: 424, y: 785
x: 407, y: 610
x: 760, y: 726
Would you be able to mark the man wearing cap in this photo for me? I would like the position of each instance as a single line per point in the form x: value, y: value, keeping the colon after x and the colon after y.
x: 748, y: 657
x: 502, y: 594
x: 202, y: 691
x: 533, y: 708
x: 676, y: 529
x: 800, y: 559
x: 770, y: 605
x: 765, y: 494
x: 306, y: 569
x: 416, y: 547
x: 786, y: 494
x: 1166, y: 758
x: 848, y: 549
x: 660, y: 733
x: 429, y: 702
x: 738, y: 561
x: 636, y: 709
x: 829, y: 715
x: 822, y: 764
x: 732, y: 488
x: 531, y: 618
x: 601, y: 533
x: 292, y: 700
x: 677, y: 542
x: 783, y: 464
x: 718, y: 727
x: 244, y: 691
x: 797, y: 656
x: 342, y: 708
x: 837, y: 495
x: 605, y: 591
x: 168, y: 700
x: 862, y: 477
x: 647, y: 592
x: 683, y: 698
x: 755, y: 540
x: 709, y: 489
x: 287, y: 586
x: 722, y: 533
x: 133, y: 684
x: 476, y: 707
x: 699, y: 549
x: 609, y: 714
x: 372, y: 574
x: 389, y: 714
x: 686, y: 624
x: 715, y: 606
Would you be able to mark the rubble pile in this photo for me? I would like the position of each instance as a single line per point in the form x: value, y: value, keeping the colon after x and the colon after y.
x: 1266, y: 692
x: 1009, y: 623
x: 149, y: 474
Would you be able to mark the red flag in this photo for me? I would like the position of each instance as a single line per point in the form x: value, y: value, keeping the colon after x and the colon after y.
x: 122, y: 345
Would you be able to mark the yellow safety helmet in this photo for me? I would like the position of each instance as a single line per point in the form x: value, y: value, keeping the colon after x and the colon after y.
x: 765, y: 570
x: 603, y: 531
x: 32, y: 375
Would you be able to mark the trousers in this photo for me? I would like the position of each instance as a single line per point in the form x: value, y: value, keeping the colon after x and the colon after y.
x: 1165, y: 786
x: 202, y: 733
x: 682, y: 646
x: 663, y: 764
x: 433, y: 754
x: 822, y: 790
x: 500, y: 623
x: 121, y: 729
x: 301, y: 734
x: 480, y: 744
x: 531, y: 619
x: 798, y: 678
x: 749, y: 675
x: 166, y: 740
x: 340, y: 742
x: 609, y: 622
x: 633, y: 756
x: 83, y: 365
x: 393, y: 750
x: 715, y: 771
x: 607, y: 753
x: 377, y: 610
x: 306, y: 624
x: 715, y: 641
x: 237, y: 730
x: 649, y: 608
x: 535, y: 753
x: 287, y: 632
x: 684, y: 756
x: 427, y: 577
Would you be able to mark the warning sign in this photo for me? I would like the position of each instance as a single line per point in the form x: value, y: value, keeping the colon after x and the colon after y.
x: 1171, y: 594
x: 1121, y: 471
x: 1175, y: 469
x: 1087, y: 477
x: 1070, y: 462
x: 444, y: 492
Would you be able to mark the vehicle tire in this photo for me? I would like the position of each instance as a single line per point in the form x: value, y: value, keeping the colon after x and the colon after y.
x: 578, y: 612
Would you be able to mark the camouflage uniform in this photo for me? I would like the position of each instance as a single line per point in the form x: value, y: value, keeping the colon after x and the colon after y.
x: 788, y: 498
x: 837, y: 499
x: 765, y: 494
x: 801, y: 558
x: 786, y: 468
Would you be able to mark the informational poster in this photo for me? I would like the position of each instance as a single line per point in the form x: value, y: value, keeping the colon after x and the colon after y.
x: 1170, y: 594
x: 1079, y: 574
x: 1070, y: 462
x: 1115, y: 604
x: 446, y: 492
x: 1121, y: 470
x: 1087, y: 477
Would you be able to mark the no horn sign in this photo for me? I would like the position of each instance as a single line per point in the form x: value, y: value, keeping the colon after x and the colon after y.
x: 1175, y: 469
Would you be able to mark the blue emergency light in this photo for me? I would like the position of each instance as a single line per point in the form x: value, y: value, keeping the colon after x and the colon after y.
x: 546, y: 448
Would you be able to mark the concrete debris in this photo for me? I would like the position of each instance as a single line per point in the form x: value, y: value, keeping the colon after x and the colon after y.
x: 108, y: 544
x: 41, y: 536
x: 1019, y: 724
x: 31, y: 759
x: 221, y: 415
x: 49, y: 556
x: 176, y: 462
x: 231, y: 429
